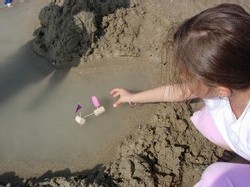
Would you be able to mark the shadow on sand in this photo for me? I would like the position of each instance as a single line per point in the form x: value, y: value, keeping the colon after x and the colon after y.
x: 95, y: 175
x: 26, y: 68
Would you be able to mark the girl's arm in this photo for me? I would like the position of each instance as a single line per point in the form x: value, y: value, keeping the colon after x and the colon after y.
x: 168, y: 93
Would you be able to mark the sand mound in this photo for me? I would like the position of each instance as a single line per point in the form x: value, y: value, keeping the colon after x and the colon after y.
x: 79, y: 30
x: 68, y: 32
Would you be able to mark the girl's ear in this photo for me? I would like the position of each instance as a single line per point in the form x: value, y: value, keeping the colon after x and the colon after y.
x: 224, y: 91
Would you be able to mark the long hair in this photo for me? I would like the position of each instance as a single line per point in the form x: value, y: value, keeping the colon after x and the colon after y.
x: 214, y: 47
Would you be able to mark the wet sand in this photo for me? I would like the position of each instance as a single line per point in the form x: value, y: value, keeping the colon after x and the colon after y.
x: 38, y: 124
x: 38, y: 103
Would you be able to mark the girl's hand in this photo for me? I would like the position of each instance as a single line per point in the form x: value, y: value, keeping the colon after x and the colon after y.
x: 124, y: 96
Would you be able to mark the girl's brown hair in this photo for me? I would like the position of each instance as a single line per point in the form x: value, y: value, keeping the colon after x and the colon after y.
x: 214, y: 47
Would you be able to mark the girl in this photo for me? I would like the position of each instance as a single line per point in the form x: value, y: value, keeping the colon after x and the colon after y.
x: 212, y: 54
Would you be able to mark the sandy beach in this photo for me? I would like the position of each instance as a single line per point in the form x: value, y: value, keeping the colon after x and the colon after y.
x: 55, y: 55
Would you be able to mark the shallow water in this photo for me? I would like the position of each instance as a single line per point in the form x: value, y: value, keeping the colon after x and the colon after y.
x: 38, y: 132
x: 37, y: 120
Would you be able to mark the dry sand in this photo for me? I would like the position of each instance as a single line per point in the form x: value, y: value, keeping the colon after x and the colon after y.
x: 125, y: 43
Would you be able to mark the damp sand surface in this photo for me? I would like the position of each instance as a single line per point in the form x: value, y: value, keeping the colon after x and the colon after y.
x: 37, y: 103
x: 37, y: 121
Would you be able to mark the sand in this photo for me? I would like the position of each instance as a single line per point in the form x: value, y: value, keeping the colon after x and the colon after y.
x: 78, y: 44
x: 37, y: 106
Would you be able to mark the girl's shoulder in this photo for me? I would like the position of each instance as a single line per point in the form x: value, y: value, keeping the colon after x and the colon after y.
x: 219, y: 105
x: 216, y: 102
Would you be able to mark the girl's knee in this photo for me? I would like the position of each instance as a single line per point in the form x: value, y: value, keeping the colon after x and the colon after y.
x: 225, y: 174
x: 213, y: 171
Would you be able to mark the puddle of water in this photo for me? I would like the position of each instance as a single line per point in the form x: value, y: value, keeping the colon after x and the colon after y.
x: 38, y: 131
x: 37, y: 113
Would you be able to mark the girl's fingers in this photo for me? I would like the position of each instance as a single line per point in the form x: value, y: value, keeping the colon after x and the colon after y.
x: 116, y: 94
x: 114, y: 91
x: 116, y: 104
